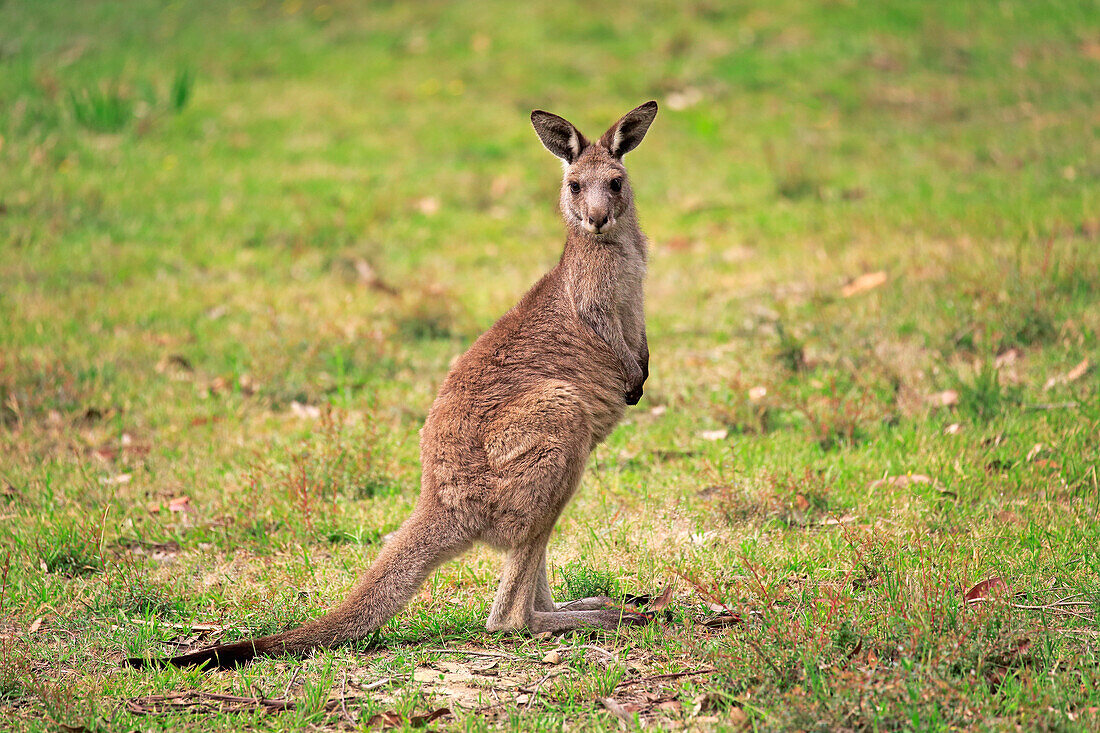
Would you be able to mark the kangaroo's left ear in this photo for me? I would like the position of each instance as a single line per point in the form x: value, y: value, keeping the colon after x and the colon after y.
x: 625, y: 134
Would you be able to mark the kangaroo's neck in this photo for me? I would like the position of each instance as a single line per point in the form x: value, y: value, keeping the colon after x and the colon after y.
x: 612, y: 264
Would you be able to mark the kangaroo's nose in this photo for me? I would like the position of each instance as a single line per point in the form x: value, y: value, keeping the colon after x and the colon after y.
x: 598, y: 221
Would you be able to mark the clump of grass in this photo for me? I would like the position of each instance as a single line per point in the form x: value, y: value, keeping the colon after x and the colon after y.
x: 110, y: 107
x: 180, y: 92
x: 790, y: 351
x: 983, y: 396
x: 581, y: 581
x: 427, y: 317
x: 71, y: 550
x: 838, y: 416
x: 788, y: 498
x: 102, y: 108
x: 342, y: 458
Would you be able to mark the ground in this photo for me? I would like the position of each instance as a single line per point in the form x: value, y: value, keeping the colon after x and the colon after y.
x: 240, y: 244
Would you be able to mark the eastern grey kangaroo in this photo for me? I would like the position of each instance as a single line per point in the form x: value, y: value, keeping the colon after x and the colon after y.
x: 506, y: 441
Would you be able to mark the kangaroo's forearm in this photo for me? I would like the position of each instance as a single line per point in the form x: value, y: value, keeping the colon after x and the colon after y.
x: 609, y: 331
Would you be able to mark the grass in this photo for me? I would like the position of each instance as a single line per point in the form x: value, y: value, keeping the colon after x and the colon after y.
x: 240, y: 246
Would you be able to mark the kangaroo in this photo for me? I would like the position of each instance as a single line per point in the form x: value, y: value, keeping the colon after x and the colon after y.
x: 507, y: 438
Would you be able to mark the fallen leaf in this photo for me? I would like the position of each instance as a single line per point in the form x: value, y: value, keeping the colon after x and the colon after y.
x: 947, y: 398
x: 846, y: 519
x: 758, y: 393
x: 617, y: 709
x: 901, y: 482
x: 1007, y: 358
x: 1035, y: 450
x: 714, y: 434
x: 1078, y: 371
x: 247, y: 385
x: 369, y: 277
x: 120, y: 479
x: 723, y: 620
x: 174, y: 361
x: 953, y: 429
x: 863, y: 283
x: 391, y: 719
x: 311, y: 412
x: 180, y: 504
x: 661, y: 602
x: 552, y: 657
x: 986, y: 589
x: 35, y: 625
x: 683, y: 99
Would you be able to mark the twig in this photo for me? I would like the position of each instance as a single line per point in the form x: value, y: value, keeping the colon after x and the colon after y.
x: 498, y: 655
x: 293, y: 677
x: 538, y: 686
x: 343, y: 697
x: 671, y: 676
x: 1051, y: 406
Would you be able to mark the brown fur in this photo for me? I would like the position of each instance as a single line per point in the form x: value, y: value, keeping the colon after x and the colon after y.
x: 506, y: 441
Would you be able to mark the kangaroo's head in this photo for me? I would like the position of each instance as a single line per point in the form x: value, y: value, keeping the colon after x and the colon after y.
x: 595, y: 192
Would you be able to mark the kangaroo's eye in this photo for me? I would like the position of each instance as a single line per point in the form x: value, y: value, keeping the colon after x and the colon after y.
x: 574, y: 187
x: 616, y: 184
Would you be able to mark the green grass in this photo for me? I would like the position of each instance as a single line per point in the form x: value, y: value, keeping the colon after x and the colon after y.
x: 240, y: 244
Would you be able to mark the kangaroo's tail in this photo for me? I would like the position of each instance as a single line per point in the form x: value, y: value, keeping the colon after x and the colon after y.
x: 416, y: 549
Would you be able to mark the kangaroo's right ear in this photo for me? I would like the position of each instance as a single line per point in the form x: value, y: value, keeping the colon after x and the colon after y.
x: 558, y: 135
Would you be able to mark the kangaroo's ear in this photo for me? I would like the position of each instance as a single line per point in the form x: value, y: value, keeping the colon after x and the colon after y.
x: 558, y: 135
x: 625, y: 134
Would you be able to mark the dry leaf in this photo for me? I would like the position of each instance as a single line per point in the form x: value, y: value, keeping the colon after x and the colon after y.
x: 1080, y: 370
x: 986, y: 589
x: 1007, y: 358
x: 901, y: 482
x: 552, y: 658
x: 36, y: 625
x: 758, y: 393
x: 681, y: 100
x: 180, y: 504
x: 738, y: 719
x: 846, y: 519
x: 311, y: 412
x: 714, y: 434
x: 953, y: 429
x: 391, y: 719
x: 120, y: 479
x: 947, y: 398
x: 661, y: 602
x: 617, y: 709
x: 863, y: 283
x: 723, y: 620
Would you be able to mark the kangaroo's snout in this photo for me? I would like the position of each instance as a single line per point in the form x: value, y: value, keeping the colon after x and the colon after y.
x: 598, y: 223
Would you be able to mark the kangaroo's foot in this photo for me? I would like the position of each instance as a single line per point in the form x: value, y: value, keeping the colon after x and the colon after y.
x: 593, y: 603
x: 607, y: 619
